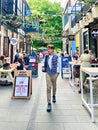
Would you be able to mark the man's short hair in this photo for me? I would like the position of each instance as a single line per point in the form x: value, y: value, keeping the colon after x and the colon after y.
x: 50, y: 46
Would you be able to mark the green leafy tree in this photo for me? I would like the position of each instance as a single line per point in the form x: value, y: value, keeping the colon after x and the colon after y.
x: 50, y: 16
x: 87, y: 2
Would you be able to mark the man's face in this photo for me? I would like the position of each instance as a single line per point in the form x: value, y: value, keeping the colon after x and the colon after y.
x: 50, y: 50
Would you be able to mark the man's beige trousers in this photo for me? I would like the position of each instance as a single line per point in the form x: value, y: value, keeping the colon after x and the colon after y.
x: 51, y: 85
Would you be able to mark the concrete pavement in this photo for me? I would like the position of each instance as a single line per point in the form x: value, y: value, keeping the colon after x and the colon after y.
x: 23, y: 114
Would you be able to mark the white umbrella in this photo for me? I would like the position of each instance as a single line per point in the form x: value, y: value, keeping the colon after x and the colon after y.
x: 34, y: 49
x: 42, y: 48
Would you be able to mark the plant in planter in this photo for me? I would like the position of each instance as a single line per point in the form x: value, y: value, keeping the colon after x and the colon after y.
x: 87, y: 2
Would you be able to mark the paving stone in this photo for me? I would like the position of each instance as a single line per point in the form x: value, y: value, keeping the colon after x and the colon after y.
x: 49, y: 126
x: 13, y: 125
x: 80, y: 126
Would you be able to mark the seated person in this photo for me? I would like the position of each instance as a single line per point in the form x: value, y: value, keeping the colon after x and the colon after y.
x: 19, y: 63
x: 76, y: 69
x: 26, y: 60
x: 91, y: 55
x: 75, y: 57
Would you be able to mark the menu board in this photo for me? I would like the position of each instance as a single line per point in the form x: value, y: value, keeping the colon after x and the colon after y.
x: 21, y: 87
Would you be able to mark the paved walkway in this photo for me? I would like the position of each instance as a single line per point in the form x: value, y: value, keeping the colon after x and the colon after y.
x: 24, y: 114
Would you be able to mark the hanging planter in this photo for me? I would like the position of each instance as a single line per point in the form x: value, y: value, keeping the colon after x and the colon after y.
x: 95, y: 11
x: 77, y: 27
x: 74, y: 30
x: 87, y: 2
x: 89, y: 17
x: 81, y: 24
x: 85, y: 21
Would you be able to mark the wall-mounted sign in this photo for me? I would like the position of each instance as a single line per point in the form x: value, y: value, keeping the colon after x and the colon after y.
x: 21, y: 32
x: 71, y: 37
x: 94, y: 33
x: 14, y: 41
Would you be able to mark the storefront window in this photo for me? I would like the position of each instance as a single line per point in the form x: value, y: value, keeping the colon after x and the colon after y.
x: 93, y: 46
x: 6, y: 46
x: 85, y: 40
x: 28, y: 48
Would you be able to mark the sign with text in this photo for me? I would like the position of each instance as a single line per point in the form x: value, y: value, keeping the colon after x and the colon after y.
x: 94, y: 33
x: 22, y: 84
x: 71, y: 37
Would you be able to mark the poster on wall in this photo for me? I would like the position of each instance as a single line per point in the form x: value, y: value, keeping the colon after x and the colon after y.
x: 21, y: 87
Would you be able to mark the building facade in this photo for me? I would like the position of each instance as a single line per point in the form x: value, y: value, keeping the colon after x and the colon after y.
x: 85, y: 25
x: 69, y: 46
x: 12, y: 15
x: 81, y: 20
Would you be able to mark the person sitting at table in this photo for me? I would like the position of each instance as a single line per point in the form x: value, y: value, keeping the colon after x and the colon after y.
x: 23, y: 57
x: 20, y: 65
x: 85, y: 60
x: 75, y: 56
x: 91, y: 55
x: 76, y: 68
x: 26, y: 61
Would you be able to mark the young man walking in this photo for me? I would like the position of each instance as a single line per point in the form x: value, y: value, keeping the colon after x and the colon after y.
x: 52, y: 69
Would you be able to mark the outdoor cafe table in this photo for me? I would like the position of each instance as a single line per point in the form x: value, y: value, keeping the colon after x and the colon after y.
x: 8, y: 73
x: 91, y: 71
x: 72, y: 82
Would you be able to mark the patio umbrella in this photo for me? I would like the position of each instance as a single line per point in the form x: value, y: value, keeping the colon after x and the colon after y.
x: 42, y: 48
x: 34, y: 49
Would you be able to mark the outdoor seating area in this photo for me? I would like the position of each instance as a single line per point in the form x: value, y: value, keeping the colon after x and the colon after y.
x: 89, y: 88
x: 83, y: 78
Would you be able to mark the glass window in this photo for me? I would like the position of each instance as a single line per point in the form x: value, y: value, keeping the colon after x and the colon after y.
x: 85, y: 40
x: 6, y: 46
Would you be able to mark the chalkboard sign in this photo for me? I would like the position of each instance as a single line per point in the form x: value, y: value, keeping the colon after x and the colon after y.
x: 22, y: 84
